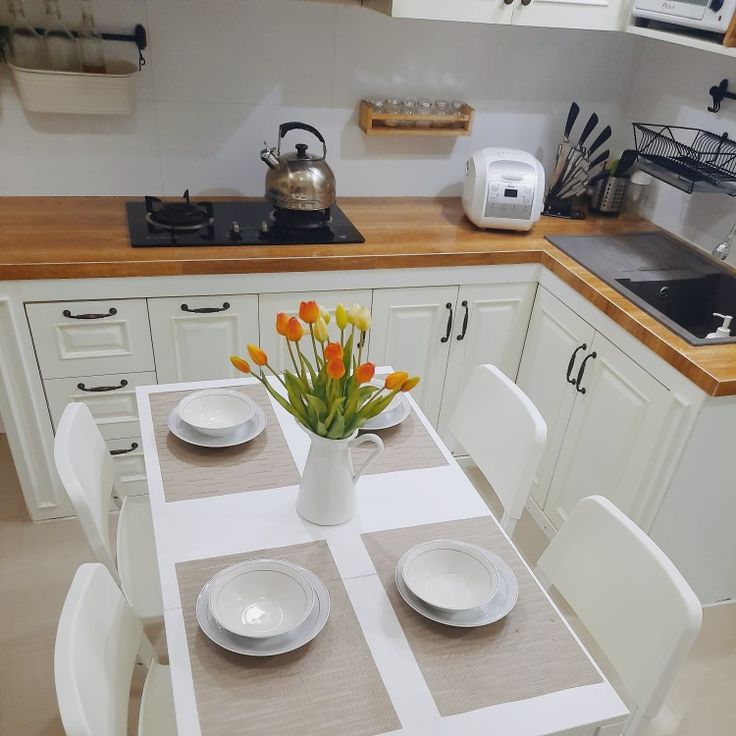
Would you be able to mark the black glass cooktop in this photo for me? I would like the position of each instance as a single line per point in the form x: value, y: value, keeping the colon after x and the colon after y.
x: 151, y: 224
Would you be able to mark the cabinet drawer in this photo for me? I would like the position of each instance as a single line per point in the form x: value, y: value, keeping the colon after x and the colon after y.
x: 91, y: 338
x: 130, y: 468
x: 111, y: 399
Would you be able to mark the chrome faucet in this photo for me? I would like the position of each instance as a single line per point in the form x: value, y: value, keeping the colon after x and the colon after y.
x: 723, y: 249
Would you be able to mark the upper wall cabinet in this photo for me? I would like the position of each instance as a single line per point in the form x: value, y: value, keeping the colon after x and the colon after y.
x: 603, y: 15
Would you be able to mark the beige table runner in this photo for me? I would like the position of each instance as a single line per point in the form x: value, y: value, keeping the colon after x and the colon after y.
x: 527, y: 654
x: 330, y: 686
x: 407, y: 446
x: 189, y: 472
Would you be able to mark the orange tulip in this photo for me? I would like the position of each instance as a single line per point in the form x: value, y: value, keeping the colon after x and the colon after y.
x: 333, y: 351
x: 282, y: 322
x: 309, y: 312
x: 240, y: 364
x: 336, y: 368
x: 395, y: 380
x: 294, y: 330
x: 409, y: 385
x: 257, y: 355
x: 364, y: 373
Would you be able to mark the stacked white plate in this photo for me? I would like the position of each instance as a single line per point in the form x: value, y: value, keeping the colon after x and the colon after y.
x: 217, y: 417
x: 395, y: 413
x: 456, y: 583
x: 263, y: 607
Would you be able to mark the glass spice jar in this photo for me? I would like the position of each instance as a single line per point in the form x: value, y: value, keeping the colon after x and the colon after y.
x: 393, y: 107
x: 409, y: 109
x: 442, y: 107
x: 424, y: 109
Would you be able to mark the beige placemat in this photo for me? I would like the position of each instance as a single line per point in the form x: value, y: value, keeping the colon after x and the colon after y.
x: 189, y: 472
x: 407, y: 446
x: 527, y: 654
x: 330, y: 686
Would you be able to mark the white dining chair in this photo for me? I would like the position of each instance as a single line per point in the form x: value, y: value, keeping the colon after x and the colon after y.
x: 504, y: 434
x: 630, y: 597
x: 87, y: 472
x: 98, y: 642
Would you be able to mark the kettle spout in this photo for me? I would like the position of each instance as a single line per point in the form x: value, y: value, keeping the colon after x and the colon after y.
x: 269, y: 156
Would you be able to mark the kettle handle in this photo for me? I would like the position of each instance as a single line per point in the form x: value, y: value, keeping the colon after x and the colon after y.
x: 284, y: 128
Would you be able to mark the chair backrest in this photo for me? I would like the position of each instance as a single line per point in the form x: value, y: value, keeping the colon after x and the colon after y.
x: 504, y: 433
x: 87, y: 473
x: 97, y: 643
x: 628, y: 594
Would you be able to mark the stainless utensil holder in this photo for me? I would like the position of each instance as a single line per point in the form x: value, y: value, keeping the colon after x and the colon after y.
x: 608, y: 195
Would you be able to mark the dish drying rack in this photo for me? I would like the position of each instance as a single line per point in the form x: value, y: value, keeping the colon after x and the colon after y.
x: 690, y: 159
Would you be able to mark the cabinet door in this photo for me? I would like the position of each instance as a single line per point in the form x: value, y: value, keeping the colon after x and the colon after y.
x: 601, y: 15
x: 471, y: 11
x: 555, y: 332
x: 412, y: 332
x: 490, y: 327
x: 613, y: 437
x: 271, y: 304
x: 194, y: 336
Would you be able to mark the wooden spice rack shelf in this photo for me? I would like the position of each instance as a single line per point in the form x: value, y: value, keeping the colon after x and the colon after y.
x: 373, y: 123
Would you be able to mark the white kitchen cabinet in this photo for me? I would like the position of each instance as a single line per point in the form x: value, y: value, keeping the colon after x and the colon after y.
x: 194, y: 336
x: 607, y: 430
x: 597, y: 15
x: 490, y: 326
x: 412, y: 332
x: 271, y: 304
x: 602, y: 15
x: 615, y: 432
x: 470, y: 11
x: 91, y: 337
x: 551, y: 358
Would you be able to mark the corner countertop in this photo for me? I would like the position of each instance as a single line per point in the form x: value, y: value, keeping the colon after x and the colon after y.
x: 87, y: 237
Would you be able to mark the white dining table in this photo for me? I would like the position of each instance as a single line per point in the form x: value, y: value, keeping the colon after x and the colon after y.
x: 233, y: 523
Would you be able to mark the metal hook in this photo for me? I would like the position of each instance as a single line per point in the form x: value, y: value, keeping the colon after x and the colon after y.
x: 719, y: 93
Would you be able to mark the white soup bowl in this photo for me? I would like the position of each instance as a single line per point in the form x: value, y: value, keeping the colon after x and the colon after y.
x: 217, y: 412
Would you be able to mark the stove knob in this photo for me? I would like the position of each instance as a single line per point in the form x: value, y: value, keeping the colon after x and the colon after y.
x: 235, y: 230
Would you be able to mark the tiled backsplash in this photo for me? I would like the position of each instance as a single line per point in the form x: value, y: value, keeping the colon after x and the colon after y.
x: 222, y: 74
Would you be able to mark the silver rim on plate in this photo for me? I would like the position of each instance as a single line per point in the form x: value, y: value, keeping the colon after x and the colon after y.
x: 249, y: 431
x: 499, y: 606
x: 273, y: 645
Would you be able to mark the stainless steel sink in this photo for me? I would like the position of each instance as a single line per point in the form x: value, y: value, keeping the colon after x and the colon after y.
x: 673, y: 282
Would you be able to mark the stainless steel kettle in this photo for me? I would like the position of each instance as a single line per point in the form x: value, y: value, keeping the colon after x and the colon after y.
x: 297, y: 180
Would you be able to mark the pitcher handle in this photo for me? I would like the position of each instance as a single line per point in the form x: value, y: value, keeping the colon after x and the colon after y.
x: 371, y: 439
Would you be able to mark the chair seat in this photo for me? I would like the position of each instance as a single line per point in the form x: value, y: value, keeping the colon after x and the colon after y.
x: 136, y: 558
x: 157, y: 716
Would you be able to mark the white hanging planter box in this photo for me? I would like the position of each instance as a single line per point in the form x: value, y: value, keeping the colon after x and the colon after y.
x: 44, y: 90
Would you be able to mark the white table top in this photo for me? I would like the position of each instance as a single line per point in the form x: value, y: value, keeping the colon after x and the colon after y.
x: 241, y: 522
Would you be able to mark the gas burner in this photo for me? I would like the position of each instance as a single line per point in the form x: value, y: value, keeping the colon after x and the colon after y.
x: 178, y: 217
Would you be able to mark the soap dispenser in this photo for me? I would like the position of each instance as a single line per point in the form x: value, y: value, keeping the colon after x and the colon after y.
x: 724, y: 330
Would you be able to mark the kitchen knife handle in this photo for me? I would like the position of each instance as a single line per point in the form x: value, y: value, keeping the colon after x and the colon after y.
x: 600, y: 140
x: 205, y: 310
x: 571, y: 364
x: 579, y: 379
x: 449, y: 324
x: 588, y: 129
x: 461, y: 336
x: 572, y: 116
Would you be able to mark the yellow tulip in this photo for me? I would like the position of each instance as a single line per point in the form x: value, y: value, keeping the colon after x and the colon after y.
x: 409, y: 384
x: 395, y: 381
x: 341, y: 317
x: 240, y: 364
x: 320, y: 330
x: 362, y: 319
x: 352, y: 312
x: 324, y: 313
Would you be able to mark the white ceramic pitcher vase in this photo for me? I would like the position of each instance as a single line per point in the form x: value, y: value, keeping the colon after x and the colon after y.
x: 327, y: 490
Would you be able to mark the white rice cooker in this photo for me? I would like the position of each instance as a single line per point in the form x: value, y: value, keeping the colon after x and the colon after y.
x: 504, y: 189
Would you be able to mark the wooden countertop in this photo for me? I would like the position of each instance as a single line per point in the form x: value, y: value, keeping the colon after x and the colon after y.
x: 87, y: 237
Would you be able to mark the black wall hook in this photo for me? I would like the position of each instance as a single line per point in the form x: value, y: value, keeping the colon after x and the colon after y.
x: 719, y: 93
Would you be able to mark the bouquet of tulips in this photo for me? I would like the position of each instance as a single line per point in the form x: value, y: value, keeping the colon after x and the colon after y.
x: 331, y: 393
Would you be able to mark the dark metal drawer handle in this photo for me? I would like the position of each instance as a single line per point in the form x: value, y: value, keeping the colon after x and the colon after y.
x: 571, y: 364
x: 133, y: 446
x: 526, y: 2
x: 449, y: 323
x: 69, y: 315
x: 582, y: 371
x: 461, y: 336
x: 206, y: 310
x: 100, y: 389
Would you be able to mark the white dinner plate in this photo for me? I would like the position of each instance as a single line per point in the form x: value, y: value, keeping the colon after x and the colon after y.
x: 249, y: 431
x: 499, y: 606
x: 274, y: 645
x: 389, y: 417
